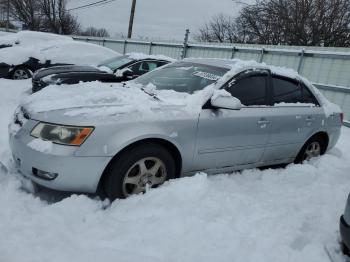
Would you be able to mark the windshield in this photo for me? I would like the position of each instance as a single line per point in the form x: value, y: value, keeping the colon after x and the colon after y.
x: 116, y: 62
x: 182, y: 77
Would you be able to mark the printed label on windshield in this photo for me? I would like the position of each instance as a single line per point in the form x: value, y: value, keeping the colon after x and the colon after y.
x: 206, y: 75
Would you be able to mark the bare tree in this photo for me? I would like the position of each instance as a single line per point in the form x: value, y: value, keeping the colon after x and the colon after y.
x: 220, y: 28
x: 57, y: 19
x: 288, y: 22
x: 26, y: 11
x: 297, y: 22
x: 96, y: 32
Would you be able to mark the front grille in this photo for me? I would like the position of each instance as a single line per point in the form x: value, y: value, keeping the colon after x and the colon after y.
x: 21, y: 116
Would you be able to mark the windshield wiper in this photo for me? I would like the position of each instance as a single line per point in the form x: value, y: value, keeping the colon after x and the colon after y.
x: 150, y: 94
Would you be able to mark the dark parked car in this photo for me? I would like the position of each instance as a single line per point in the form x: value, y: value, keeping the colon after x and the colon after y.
x: 116, y: 69
x: 25, y: 52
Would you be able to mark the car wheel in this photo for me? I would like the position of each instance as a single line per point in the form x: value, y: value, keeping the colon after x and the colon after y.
x: 138, y: 169
x: 314, y: 147
x: 21, y: 73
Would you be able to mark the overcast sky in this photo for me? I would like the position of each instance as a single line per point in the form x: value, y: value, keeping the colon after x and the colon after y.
x: 164, y: 19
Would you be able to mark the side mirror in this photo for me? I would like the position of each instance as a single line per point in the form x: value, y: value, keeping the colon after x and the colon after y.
x: 128, y: 74
x: 223, y: 99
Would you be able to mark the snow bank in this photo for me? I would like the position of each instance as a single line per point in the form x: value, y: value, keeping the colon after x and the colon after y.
x: 11, y: 92
x: 30, y: 38
x: 285, y: 214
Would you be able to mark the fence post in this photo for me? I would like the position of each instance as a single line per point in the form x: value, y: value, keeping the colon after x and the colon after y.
x: 150, y: 48
x: 233, y: 52
x: 262, y: 55
x: 185, y: 45
x: 124, y: 47
x: 301, y: 59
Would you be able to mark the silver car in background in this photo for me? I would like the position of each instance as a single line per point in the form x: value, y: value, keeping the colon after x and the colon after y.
x: 243, y: 115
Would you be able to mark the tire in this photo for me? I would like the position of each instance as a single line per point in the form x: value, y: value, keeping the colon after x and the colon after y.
x: 20, y: 73
x: 314, y: 147
x: 344, y: 249
x: 137, y: 169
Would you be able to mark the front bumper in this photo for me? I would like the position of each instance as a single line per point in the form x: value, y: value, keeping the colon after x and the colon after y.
x: 75, y: 173
x: 37, y: 85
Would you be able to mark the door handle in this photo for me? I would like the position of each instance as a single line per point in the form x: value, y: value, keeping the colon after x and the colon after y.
x: 263, y: 123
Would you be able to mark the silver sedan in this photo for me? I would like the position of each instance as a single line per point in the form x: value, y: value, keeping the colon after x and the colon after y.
x: 194, y: 115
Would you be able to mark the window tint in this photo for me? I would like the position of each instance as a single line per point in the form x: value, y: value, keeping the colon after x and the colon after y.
x: 308, y: 97
x: 286, y: 91
x: 251, y: 90
x: 143, y: 67
x: 289, y: 91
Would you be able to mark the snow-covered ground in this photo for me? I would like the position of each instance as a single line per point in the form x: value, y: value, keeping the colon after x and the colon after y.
x: 285, y: 214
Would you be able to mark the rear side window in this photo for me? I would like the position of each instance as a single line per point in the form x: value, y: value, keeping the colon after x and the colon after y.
x: 251, y: 90
x: 290, y: 91
x: 143, y: 67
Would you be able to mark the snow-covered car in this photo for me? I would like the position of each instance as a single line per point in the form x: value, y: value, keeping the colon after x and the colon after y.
x: 25, y: 52
x: 115, y: 69
x: 194, y: 115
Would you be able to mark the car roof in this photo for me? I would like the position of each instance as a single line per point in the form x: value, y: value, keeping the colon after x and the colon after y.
x: 142, y: 56
x: 224, y: 63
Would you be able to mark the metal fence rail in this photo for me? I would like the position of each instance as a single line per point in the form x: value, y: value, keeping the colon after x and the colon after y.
x: 327, y: 68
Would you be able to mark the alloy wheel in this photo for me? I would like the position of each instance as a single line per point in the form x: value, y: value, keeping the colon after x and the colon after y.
x: 144, y: 174
x: 20, y: 74
x: 313, y: 150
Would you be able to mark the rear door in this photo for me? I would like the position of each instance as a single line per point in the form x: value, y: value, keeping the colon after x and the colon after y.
x: 295, y: 115
x: 229, y: 138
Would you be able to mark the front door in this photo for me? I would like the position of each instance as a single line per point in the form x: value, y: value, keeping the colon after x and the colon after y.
x: 230, y: 138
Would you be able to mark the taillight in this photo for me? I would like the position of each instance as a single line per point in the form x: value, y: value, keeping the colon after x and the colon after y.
x: 342, y: 117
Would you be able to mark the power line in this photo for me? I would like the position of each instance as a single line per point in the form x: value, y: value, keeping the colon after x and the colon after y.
x: 94, y: 4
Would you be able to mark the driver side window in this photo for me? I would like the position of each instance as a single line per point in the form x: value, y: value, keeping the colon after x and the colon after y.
x: 143, y: 67
x: 250, y: 89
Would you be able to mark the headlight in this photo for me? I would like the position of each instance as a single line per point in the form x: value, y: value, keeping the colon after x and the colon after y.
x: 59, y: 134
x: 51, y: 80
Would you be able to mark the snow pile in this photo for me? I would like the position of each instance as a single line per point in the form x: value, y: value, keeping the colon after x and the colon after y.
x: 29, y: 38
x: 286, y: 214
x: 50, y: 47
x: 11, y: 92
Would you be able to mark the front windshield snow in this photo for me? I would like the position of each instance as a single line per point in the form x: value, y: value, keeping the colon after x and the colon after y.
x: 115, y: 62
x: 182, y: 77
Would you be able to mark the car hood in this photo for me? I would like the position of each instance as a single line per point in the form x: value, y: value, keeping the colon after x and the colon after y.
x: 65, y: 69
x: 93, y: 103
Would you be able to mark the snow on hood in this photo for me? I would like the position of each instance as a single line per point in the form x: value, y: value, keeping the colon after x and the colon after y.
x: 103, y: 100
x: 63, y: 50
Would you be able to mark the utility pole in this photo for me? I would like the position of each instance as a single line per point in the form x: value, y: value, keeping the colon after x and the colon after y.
x: 8, y: 16
x: 131, y: 21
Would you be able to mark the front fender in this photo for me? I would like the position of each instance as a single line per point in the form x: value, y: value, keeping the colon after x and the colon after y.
x: 182, y: 134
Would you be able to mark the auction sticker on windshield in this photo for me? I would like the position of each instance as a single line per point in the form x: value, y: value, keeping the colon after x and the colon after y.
x: 206, y: 75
